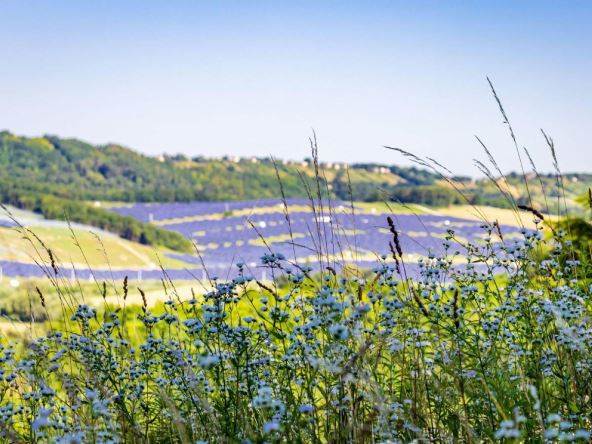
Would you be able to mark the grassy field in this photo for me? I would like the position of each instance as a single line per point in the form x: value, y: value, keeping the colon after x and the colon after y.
x: 22, y: 309
x: 490, y: 214
x: 81, y: 247
x: 456, y: 355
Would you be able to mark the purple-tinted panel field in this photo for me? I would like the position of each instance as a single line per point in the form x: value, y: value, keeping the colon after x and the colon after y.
x: 225, y: 241
x: 224, y: 238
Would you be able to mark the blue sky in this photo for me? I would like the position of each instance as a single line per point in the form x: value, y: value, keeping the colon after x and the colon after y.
x: 253, y: 78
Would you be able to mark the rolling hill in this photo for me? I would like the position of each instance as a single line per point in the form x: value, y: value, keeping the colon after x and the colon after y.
x: 60, y: 178
x: 74, y: 169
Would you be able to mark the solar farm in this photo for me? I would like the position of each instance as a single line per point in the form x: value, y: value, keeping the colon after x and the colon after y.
x: 305, y: 234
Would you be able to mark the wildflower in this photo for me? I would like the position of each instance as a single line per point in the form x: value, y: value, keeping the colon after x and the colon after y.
x: 271, y: 426
x: 507, y: 430
x: 42, y: 419
x: 208, y: 361
x: 339, y: 331
x: 306, y: 408
x: 71, y: 438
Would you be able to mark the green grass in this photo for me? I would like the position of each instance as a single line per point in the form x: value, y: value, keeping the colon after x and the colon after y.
x: 68, y: 246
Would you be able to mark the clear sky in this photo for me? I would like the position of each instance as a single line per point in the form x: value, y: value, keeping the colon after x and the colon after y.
x: 253, y: 78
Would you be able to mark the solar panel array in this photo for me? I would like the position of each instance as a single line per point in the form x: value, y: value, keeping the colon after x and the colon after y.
x: 226, y: 233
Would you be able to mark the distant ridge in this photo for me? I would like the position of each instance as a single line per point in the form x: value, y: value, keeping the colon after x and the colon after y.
x: 76, y: 170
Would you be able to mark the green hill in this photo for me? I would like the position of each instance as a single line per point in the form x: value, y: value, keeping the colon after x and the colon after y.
x: 57, y: 177
x: 74, y: 169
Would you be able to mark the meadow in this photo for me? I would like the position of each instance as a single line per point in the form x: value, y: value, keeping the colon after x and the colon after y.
x: 483, y: 335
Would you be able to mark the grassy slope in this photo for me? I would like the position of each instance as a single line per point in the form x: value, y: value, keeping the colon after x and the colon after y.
x: 122, y: 253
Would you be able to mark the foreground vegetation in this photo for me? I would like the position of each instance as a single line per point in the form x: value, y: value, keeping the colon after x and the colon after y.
x: 497, y: 349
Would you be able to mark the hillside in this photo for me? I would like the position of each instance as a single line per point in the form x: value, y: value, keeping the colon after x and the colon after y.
x: 74, y: 245
x: 76, y: 170
x: 72, y: 168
